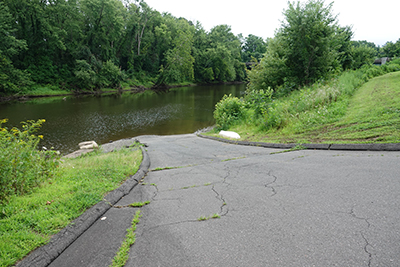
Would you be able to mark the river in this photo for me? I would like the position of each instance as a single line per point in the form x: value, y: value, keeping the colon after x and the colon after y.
x: 105, y: 118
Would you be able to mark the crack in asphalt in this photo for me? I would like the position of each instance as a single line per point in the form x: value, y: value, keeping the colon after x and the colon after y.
x: 268, y: 185
x: 155, y: 193
x: 223, y: 208
x: 221, y: 198
x: 169, y: 224
x: 353, y: 214
x: 366, y: 249
x: 367, y: 244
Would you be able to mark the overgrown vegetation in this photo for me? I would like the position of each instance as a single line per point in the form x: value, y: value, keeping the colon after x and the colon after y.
x: 22, y: 165
x: 123, y: 253
x: 306, y: 79
x: 28, y: 221
x: 337, y: 110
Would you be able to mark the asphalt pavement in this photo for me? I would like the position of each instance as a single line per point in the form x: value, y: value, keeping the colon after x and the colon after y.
x: 219, y: 204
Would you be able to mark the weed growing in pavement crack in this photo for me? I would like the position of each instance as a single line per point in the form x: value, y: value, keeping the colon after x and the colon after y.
x: 214, y: 216
x: 170, y: 168
x: 232, y: 159
x: 187, y: 187
x: 123, y: 252
x: 132, y: 205
x: 202, y: 218
x: 297, y: 147
x: 139, y: 204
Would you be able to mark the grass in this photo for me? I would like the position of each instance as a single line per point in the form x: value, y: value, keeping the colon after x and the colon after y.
x: 297, y: 147
x: 373, y: 114
x: 232, y: 159
x: 169, y: 168
x: 344, y: 110
x: 139, y: 204
x: 122, y: 254
x: 29, y: 221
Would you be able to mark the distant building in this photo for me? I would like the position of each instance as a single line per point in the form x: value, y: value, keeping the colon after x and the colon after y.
x: 382, y: 61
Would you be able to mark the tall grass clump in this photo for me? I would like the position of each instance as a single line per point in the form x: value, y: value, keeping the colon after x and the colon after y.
x: 22, y: 165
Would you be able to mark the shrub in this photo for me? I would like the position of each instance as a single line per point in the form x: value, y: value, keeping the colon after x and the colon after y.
x: 111, y: 75
x: 258, y: 100
x: 85, y: 76
x: 228, y: 111
x: 22, y: 165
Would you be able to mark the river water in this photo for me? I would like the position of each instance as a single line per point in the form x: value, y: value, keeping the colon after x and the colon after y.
x: 108, y: 118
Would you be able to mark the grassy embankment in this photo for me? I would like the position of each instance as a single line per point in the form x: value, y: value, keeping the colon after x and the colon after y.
x: 29, y: 221
x: 346, y: 110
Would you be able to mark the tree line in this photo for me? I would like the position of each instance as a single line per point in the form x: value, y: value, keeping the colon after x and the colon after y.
x: 92, y: 44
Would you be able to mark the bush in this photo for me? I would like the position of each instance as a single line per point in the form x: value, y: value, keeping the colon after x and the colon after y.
x: 22, y: 165
x: 85, y: 76
x: 12, y: 80
x: 274, y: 116
x: 258, y: 100
x: 228, y: 111
x: 111, y: 75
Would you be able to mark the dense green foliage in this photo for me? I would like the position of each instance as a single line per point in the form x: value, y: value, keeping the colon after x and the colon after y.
x: 92, y: 44
x: 29, y: 221
x: 22, y: 165
x: 309, y: 47
x: 254, y: 47
x: 391, y: 49
x: 305, y: 49
x: 228, y: 111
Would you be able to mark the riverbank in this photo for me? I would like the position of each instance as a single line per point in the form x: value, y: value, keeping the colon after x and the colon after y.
x: 44, y: 91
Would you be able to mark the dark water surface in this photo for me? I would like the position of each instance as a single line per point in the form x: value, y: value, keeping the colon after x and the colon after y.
x: 109, y: 118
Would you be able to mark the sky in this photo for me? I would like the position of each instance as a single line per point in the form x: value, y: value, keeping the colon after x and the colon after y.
x: 374, y: 21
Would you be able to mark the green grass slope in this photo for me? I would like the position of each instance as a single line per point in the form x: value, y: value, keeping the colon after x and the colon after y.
x: 373, y: 114
x: 337, y: 112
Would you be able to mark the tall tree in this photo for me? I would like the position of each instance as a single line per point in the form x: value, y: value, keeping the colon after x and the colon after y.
x: 391, y: 49
x: 43, y: 38
x: 362, y: 55
x: 254, y: 47
x: 309, y: 46
x: 309, y: 31
x: 10, y: 78
x: 179, y: 60
x: 103, y: 26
